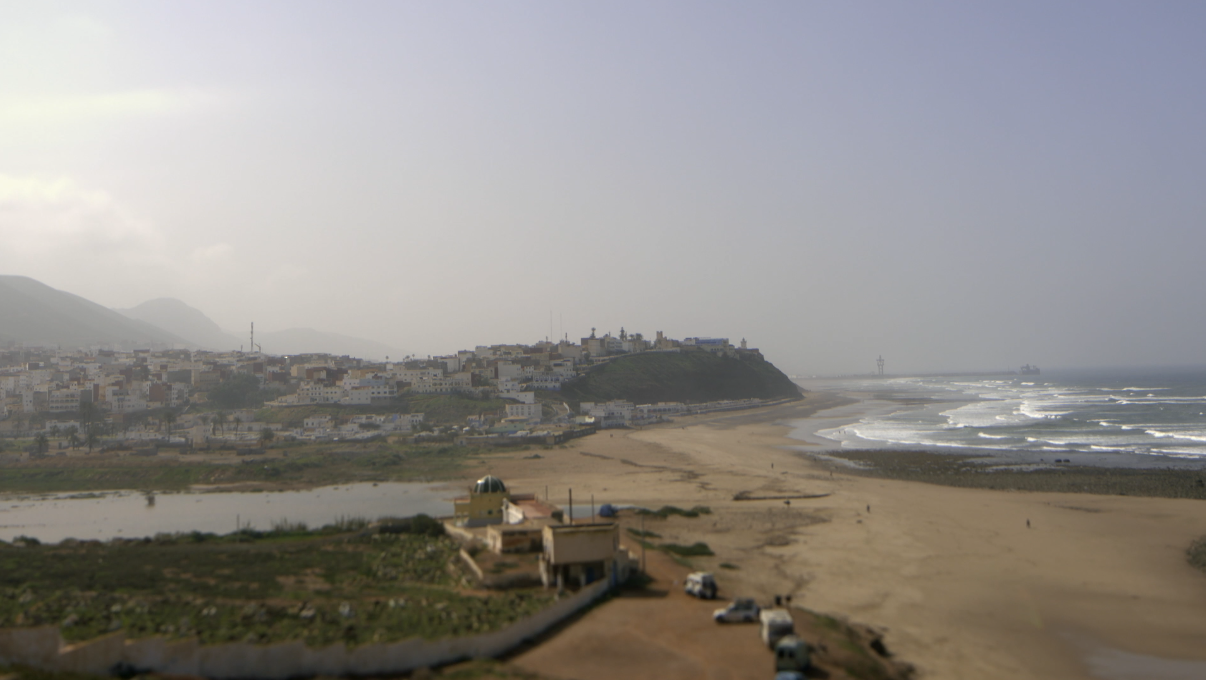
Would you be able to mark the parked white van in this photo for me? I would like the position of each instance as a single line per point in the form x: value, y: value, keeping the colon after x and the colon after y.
x: 776, y: 624
x: 701, y: 584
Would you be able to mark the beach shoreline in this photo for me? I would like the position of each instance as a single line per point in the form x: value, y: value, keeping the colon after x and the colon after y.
x: 965, y: 582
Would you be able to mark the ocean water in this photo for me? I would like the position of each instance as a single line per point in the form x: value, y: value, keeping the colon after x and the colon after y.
x: 1111, y: 417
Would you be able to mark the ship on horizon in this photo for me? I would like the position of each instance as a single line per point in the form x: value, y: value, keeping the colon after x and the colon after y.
x: 1028, y: 370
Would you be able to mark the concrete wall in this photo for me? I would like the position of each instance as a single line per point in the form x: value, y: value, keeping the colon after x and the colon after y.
x: 566, y: 544
x: 500, y: 581
x: 43, y: 648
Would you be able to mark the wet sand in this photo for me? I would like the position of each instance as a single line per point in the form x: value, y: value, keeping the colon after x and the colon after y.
x: 964, y: 587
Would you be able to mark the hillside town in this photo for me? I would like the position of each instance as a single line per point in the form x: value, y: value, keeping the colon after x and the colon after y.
x: 195, y: 397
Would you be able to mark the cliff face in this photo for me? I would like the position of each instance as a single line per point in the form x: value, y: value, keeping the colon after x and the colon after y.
x: 684, y: 376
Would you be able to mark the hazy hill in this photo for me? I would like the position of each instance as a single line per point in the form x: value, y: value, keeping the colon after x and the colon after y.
x: 176, y: 317
x: 308, y: 340
x: 190, y: 323
x: 651, y: 377
x: 33, y: 313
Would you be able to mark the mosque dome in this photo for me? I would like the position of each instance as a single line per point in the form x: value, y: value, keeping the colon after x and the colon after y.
x: 489, y: 484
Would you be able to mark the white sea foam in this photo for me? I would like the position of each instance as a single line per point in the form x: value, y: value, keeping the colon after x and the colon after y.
x: 1047, y: 441
x: 1035, y: 410
x: 1180, y: 453
x: 1191, y: 436
x: 1057, y: 417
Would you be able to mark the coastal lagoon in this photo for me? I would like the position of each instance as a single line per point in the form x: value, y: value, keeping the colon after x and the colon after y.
x: 127, y: 514
x: 1115, y: 418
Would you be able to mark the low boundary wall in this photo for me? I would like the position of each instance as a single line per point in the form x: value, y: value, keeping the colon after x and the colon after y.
x: 43, y: 647
x: 512, y: 580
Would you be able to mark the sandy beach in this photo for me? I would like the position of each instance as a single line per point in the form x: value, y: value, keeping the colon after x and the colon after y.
x: 967, y: 583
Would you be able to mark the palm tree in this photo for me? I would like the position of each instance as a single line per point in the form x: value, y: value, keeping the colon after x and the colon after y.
x: 169, y: 419
x: 220, y: 422
x: 237, y: 421
x: 88, y: 412
x: 42, y: 442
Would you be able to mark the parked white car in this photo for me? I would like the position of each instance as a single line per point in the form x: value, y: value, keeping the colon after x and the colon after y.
x: 741, y: 610
x: 701, y: 584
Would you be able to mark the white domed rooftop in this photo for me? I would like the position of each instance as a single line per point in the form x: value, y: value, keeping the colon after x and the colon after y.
x: 489, y: 484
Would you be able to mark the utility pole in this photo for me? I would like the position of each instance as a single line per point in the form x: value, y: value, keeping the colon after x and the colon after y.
x: 642, y: 543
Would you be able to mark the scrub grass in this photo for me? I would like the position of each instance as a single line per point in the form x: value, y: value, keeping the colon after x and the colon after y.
x: 668, y: 510
x: 1197, y: 553
x: 251, y: 586
x: 643, y: 534
x: 693, y: 550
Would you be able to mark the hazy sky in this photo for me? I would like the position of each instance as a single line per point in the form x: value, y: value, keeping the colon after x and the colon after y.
x: 951, y: 185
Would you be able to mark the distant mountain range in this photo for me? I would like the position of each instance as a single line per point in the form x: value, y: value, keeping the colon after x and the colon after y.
x: 183, y: 321
x: 32, y: 313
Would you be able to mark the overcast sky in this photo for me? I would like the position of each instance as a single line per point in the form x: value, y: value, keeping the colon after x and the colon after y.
x: 951, y: 185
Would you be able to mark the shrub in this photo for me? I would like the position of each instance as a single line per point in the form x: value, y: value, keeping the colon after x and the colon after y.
x: 693, y: 550
x: 1197, y: 553
x: 420, y: 524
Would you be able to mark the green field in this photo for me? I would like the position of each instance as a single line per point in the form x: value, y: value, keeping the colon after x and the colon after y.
x: 257, y: 587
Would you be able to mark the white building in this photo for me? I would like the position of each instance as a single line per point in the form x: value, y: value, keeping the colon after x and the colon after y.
x: 506, y: 369
x: 457, y: 382
x: 369, y: 394
x: 63, y: 401
x: 317, y: 422
x: 662, y: 408
x: 521, y: 397
x: 548, y: 381
x: 310, y: 392
x: 530, y: 412
x: 123, y: 401
x: 611, y: 413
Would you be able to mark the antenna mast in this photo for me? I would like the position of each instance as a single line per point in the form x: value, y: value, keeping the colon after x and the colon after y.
x: 880, y: 363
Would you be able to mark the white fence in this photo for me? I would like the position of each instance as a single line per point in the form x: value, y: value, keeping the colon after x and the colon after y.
x: 44, y: 648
